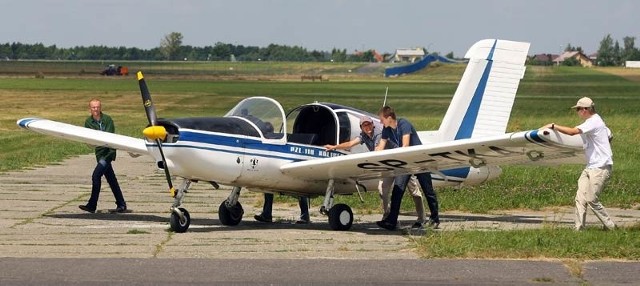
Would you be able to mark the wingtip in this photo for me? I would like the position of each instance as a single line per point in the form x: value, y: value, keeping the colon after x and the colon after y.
x: 139, y: 75
x: 24, y: 122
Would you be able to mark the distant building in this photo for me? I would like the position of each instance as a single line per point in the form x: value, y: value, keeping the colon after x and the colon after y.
x: 407, y: 55
x: 377, y: 57
x: 581, y: 58
x: 632, y: 64
x: 543, y: 59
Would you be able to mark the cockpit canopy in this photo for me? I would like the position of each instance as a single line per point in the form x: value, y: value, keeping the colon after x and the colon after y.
x: 265, y: 113
x: 311, y: 124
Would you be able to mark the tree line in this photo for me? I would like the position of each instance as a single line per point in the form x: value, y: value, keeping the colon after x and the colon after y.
x: 611, y: 54
x: 171, y: 48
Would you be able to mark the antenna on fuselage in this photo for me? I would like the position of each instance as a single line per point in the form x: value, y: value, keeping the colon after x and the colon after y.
x: 384, y: 103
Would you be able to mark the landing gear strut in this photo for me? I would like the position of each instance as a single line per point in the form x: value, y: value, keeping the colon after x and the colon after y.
x: 340, y: 215
x: 180, y: 218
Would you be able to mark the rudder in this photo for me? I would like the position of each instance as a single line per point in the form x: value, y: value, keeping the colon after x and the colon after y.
x: 482, y: 103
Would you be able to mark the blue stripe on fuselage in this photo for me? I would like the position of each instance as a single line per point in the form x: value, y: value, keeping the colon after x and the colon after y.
x: 251, y: 147
x: 470, y: 117
x: 248, y: 146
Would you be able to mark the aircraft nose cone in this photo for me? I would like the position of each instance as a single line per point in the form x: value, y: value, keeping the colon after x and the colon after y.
x: 155, y: 132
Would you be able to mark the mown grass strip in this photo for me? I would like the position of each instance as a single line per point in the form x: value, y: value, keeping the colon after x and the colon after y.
x: 547, y: 242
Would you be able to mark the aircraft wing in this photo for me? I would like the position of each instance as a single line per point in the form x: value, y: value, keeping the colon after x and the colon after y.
x: 85, y: 135
x: 526, y: 147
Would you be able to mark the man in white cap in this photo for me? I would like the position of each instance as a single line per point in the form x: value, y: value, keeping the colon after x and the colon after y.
x: 598, y: 153
x: 370, y: 137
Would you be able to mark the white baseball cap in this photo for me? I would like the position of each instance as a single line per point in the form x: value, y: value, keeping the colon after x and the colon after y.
x: 364, y: 119
x: 584, y: 102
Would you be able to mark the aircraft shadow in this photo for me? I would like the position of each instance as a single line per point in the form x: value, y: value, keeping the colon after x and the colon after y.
x: 212, y: 225
x: 203, y: 225
x: 113, y: 216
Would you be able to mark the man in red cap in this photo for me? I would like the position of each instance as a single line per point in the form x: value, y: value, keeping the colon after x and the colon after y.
x: 596, y: 137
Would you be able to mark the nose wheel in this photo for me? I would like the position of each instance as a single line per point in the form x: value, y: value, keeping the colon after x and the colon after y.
x: 180, y: 220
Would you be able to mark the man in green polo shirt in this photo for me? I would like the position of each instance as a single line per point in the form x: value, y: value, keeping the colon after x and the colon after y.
x: 104, y: 157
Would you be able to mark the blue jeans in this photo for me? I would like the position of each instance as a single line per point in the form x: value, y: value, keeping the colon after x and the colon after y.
x: 398, y: 191
x: 303, y: 202
x: 104, y: 168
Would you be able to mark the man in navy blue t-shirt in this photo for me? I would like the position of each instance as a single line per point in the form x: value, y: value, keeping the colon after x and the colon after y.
x: 402, y: 133
x: 371, y: 139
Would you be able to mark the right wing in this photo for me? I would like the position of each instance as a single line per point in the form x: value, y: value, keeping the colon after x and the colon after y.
x: 85, y: 135
x: 526, y: 147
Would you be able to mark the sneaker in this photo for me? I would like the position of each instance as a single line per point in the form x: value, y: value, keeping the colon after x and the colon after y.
x: 120, y: 209
x: 304, y: 219
x: 386, y: 225
x: 261, y: 218
x: 417, y: 225
x: 87, y: 209
x: 433, y: 224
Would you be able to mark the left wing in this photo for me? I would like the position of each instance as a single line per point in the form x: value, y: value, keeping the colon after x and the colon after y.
x: 535, y: 146
x: 85, y: 135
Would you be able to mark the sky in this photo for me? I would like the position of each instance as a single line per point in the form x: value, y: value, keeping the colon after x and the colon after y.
x: 440, y: 26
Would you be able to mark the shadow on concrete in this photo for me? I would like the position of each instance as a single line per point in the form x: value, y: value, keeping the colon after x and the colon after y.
x: 214, y: 225
x: 112, y: 217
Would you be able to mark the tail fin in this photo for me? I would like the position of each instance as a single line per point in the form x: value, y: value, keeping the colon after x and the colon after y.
x: 482, y: 103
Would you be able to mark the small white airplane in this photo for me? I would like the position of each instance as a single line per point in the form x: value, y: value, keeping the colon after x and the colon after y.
x: 243, y: 149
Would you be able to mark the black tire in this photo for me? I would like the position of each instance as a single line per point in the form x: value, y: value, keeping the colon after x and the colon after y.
x: 230, y: 215
x: 340, y: 217
x: 177, y: 225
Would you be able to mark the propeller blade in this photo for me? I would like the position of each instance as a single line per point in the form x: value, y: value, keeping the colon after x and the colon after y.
x: 154, y: 132
x: 166, y: 169
x: 146, y: 100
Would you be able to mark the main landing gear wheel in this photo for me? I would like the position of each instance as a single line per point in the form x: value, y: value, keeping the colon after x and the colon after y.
x: 230, y: 215
x: 340, y: 217
x: 178, y: 225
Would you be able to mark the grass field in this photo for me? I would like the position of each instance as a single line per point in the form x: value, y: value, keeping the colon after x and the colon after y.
x: 544, y: 96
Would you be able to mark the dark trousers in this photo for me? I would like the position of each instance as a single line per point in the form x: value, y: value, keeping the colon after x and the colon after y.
x: 399, y: 187
x: 267, y: 208
x: 104, y: 168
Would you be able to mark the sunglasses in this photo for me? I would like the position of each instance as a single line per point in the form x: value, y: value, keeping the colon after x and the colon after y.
x: 581, y: 108
x: 367, y: 124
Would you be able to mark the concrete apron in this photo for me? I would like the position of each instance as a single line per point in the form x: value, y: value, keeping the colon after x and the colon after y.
x: 42, y: 219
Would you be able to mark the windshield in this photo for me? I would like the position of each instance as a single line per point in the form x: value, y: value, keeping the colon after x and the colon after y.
x: 264, y: 112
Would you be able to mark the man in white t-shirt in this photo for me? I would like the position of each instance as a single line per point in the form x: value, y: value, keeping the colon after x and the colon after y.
x: 596, y: 138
